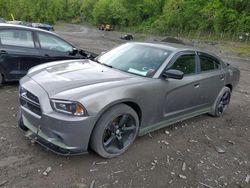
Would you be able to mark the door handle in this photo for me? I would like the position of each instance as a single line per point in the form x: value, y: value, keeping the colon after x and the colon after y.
x: 3, y: 52
x: 222, y: 77
x: 46, y: 55
x: 196, y: 85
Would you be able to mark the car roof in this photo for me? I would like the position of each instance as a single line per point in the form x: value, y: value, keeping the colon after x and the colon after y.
x: 7, y: 25
x: 167, y: 46
x: 174, y: 47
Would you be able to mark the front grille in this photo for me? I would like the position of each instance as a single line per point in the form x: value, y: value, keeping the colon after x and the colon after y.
x: 33, y: 98
x: 30, y: 101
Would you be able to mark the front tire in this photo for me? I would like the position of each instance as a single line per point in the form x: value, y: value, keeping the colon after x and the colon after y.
x: 222, y: 102
x: 115, y: 131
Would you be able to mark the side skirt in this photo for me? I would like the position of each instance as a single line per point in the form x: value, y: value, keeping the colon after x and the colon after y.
x: 171, y: 121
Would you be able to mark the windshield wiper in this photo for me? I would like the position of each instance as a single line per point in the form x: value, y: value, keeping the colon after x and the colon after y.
x: 104, y: 64
x: 110, y: 66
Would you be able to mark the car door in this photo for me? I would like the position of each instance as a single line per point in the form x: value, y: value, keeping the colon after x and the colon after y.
x: 53, y: 48
x: 17, y: 52
x: 181, y: 95
x: 212, y: 78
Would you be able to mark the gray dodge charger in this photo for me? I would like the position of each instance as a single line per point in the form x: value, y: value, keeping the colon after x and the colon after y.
x: 71, y: 106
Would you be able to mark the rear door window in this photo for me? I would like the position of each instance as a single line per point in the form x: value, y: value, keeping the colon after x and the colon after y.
x: 208, y: 63
x: 20, y: 38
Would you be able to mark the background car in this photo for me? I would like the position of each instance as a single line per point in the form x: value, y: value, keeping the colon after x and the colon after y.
x: 127, y: 37
x: 18, y: 22
x: 46, y: 27
x: 131, y: 90
x: 2, y: 20
x: 29, y: 24
x: 24, y: 47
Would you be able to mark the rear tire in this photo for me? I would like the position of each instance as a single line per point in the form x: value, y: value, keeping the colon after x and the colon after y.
x: 115, y: 131
x: 222, y: 102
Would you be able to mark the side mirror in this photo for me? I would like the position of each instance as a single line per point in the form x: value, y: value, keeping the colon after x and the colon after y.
x: 172, y: 73
x: 87, y: 55
x: 74, y: 51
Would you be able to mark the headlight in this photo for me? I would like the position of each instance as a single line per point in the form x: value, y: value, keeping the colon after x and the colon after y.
x: 68, y: 107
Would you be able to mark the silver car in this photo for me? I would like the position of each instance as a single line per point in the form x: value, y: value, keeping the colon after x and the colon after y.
x: 71, y: 106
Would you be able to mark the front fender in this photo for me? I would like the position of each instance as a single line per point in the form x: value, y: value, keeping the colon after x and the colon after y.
x: 113, y: 103
x: 99, y: 102
x: 144, y: 96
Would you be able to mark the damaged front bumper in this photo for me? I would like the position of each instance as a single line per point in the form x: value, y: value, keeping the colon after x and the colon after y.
x: 60, y: 133
x: 51, y: 144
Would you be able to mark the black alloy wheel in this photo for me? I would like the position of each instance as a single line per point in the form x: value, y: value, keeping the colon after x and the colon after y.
x: 115, y: 131
x: 224, y: 102
x: 119, y: 133
x: 221, y: 103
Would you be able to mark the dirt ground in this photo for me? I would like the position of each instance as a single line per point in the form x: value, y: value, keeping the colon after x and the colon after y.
x: 201, y: 152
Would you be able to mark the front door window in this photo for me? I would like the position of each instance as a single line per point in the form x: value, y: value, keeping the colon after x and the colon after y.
x: 186, y: 64
x: 49, y: 42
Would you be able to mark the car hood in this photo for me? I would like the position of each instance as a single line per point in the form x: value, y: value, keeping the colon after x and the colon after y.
x: 66, y: 75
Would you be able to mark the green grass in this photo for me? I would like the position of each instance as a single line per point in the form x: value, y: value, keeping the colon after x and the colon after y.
x: 239, y: 49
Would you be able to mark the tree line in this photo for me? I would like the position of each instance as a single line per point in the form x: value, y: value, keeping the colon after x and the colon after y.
x: 159, y: 15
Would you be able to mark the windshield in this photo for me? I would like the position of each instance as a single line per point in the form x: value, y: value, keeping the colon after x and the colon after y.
x: 137, y: 59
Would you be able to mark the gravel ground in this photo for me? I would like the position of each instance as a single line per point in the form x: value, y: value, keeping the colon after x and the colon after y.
x: 201, y: 152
